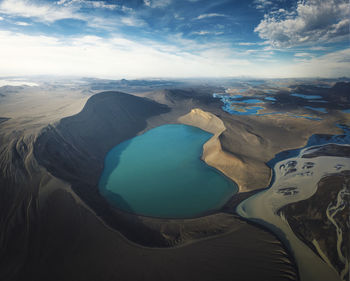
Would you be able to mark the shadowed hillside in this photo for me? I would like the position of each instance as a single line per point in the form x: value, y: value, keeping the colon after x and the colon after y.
x: 74, y: 150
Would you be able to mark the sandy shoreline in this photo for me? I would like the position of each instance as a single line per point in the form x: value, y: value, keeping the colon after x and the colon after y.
x: 213, y: 154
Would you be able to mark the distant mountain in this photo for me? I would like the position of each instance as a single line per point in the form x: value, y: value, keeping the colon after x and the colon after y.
x: 105, y: 84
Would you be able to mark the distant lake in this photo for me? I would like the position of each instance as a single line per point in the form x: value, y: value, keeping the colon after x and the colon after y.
x: 160, y: 174
x: 319, y: 109
x: 308, y: 97
x: 243, y: 107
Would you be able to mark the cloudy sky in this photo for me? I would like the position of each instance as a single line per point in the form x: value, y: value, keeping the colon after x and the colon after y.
x: 175, y: 38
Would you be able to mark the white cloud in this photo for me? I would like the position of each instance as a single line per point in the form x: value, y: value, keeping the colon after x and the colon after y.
x: 120, y: 57
x: 194, y: 46
x: 65, y: 9
x: 115, y: 57
x: 178, y: 17
x: 62, y: 2
x: 255, y: 54
x: 204, y: 16
x: 303, y: 55
x: 206, y: 32
x: 262, y: 4
x: 313, y: 21
x: 157, y: 3
x: 132, y: 21
x: 1, y: 18
x: 46, y: 13
x: 97, y: 4
x: 318, y: 48
x: 246, y: 44
x: 22, y: 23
x: 103, y: 5
x: 202, y: 32
x: 334, y: 64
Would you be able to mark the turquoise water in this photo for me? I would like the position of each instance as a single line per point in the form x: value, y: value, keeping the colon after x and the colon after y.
x: 308, y: 97
x: 243, y: 110
x: 319, y: 109
x: 230, y: 106
x: 160, y: 174
x: 251, y: 101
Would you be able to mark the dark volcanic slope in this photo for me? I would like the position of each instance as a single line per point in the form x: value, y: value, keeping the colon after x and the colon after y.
x: 107, y: 119
x: 74, y: 150
x: 73, y: 245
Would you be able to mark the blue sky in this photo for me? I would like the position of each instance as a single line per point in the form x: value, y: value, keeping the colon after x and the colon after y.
x: 175, y: 38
